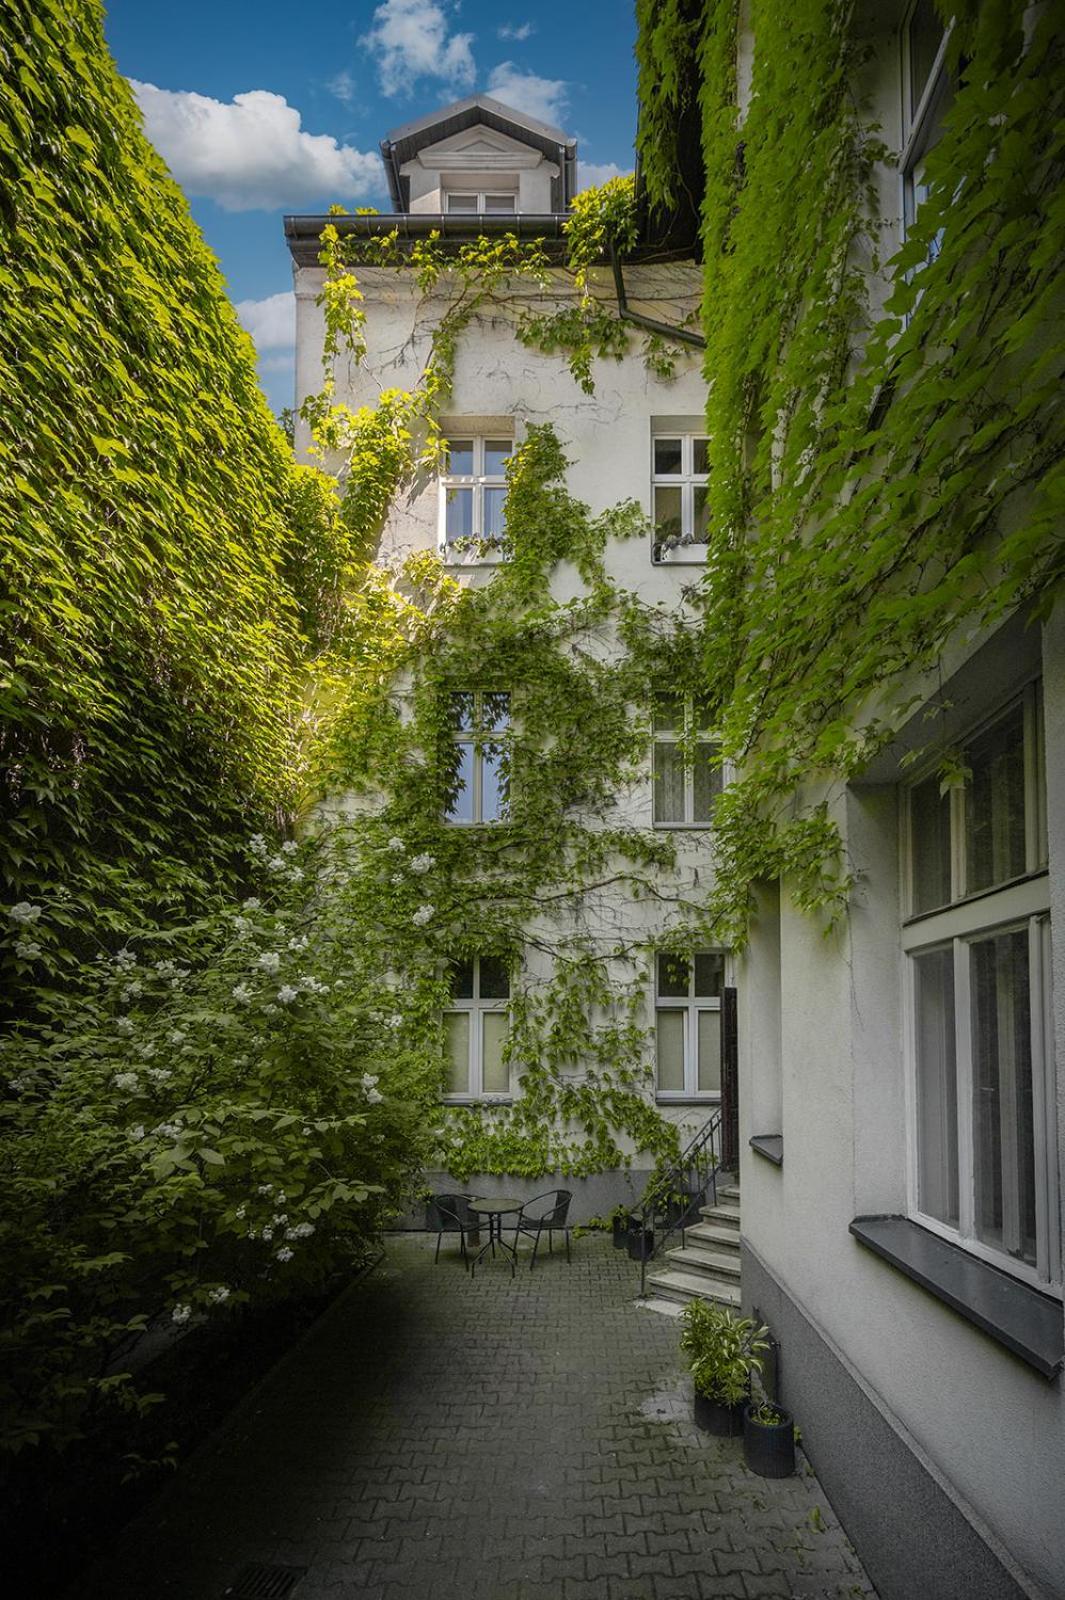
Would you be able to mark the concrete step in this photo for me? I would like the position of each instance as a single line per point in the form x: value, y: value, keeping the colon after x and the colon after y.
x: 684, y: 1286
x: 693, y: 1258
x: 729, y: 1191
x: 728, y: 1216
x: 710, y: 1233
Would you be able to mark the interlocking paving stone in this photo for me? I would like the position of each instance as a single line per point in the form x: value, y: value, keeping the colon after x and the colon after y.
x: 456, y: 1439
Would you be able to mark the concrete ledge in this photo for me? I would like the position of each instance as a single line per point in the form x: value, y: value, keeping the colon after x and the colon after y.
x: 913, y: 1532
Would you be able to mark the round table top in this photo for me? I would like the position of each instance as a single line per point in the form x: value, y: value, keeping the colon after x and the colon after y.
x: 503, y: 1203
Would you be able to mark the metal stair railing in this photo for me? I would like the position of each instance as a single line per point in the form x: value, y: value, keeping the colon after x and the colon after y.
x: 673, y: 1197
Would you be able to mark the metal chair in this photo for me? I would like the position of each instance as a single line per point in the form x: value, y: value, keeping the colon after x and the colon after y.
x: 450, y: 1213
x: 551, y: 1221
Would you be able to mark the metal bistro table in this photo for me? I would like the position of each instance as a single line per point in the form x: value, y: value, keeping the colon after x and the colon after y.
x: 495, y: 1209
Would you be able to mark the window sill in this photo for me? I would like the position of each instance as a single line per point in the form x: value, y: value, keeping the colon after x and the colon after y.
x: 472, y: 558
x: 683, y: 827
x: 1021, y: 1318
x: 711, y: 1098
x: 685, y: 556
x: 769, y: 1145
x: 477, y: 1100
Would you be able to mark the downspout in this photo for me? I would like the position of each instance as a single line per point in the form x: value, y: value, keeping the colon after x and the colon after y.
x: 388, y: 153
x: 665, y: 330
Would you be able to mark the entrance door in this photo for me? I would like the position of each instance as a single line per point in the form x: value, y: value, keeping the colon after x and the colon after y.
x: 730, y: 1087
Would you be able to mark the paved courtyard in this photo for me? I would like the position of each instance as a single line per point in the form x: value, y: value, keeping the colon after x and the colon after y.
x: 438, y: 1438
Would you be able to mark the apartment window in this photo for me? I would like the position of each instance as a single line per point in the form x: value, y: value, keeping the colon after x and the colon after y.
x: 480, y: 784
x: 473, y: 493
x: 688, y: 1024
x: 482, y: 204
x: 686, y: 765
x: 926, y: 96
x: 978, y: 946
x: 476, y: 1025
x: 680, y: 470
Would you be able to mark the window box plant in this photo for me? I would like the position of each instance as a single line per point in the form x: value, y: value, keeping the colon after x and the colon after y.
x: 723, y: 1352
x: 769, y: 1440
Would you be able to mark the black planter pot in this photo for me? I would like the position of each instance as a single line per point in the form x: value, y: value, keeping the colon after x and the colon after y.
x: 641, y: 1242
x: 714, y: 1417
x: 769, y: 1448
x: 621, y: 1232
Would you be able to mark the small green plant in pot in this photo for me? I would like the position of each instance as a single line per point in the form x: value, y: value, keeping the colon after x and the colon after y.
x: 619, y: 1224
x: 769, y: 1440
x: 723, y: 1351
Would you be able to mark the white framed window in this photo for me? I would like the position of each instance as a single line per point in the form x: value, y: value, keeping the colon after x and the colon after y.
x: 473, y: 496
x: 686, y: 765
x: 688, y: 1025
x: 476, y: 1025
x: 983, y: 1168
x: 680, y: 512
x: 480, y: 784
x: 926, y: 97
x: 473, y: 203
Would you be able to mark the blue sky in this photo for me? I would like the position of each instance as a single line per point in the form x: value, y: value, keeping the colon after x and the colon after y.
x: 262, y: 108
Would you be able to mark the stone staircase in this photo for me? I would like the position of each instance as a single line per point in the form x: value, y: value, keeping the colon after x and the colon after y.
x: 708, y: 1265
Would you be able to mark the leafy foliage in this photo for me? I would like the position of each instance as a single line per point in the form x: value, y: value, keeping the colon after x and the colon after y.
x: 723, y: 1351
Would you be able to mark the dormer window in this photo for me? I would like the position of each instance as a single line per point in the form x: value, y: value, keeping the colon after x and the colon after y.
x: 481, y: 204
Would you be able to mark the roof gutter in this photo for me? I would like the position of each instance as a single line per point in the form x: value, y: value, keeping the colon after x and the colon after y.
x: 664, y: 330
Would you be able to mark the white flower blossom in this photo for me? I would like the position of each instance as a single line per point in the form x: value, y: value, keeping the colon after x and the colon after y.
x: 181, y: 1313
x: 160, y: 1075
x: 177, y: 1036
x: 396, y: 845
x: 395, y: 1021
x: 267, y: 1234
x: 271, y: 1010
x: 252, y: 904
x: 242, y: 993
x: 302, y: 1230
x: 124, y: 1025
x: 423, y: 915
x: 422, y: 863
x: 125, y: 959
x: 370, y: 1080
x: 270, y: 961
x: 265, y: 1188
x: 27, y: 950
x: 284, y: 1254
x: 286, y: 994
x: 300, y: 943
x: 219, y: 1295
x: 296, y: 875
x: 374, y: 1096
x: 241, y: 924
x: 253, y: 1233
x: 168, y: 1130
x: 289, y: 847
x: 306, y: 1132
x: 137, y: 1133
x: 241, y: 1212
x: 257, y: 845
x: 276, y: 864
x: 166, y: 969
x: 279, y: 1220
x: 132, y: 991
x: 396, y: 879
x: 24, y: 912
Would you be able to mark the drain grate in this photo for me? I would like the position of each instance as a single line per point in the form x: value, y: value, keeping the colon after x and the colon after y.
x: 264, y: 1583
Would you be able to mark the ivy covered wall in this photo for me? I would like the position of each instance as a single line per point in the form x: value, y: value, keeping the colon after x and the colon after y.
x: 162, y: 556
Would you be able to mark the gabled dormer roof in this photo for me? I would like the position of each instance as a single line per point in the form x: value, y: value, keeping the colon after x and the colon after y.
x: 404, y: 143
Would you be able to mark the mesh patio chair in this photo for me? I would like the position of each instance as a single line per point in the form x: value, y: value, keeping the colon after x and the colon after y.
x: 550, y: 1220
x: 450, y: 1213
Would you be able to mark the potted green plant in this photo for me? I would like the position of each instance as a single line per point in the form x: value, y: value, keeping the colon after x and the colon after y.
x: 640, y: 1239
x: 619, y: 1224
x: 723, y: 1351
x: 769, y: 1440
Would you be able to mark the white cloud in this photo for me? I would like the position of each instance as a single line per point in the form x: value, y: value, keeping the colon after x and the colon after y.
x: 271, y: 322
x: 591, y: 173
x: 410, y: 40
x: 250, y: 153
x: 518, y: 31
x: 343, y: 86
x: 544, y: 98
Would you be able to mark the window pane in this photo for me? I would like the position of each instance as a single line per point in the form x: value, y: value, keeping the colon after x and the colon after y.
x: 700, y: 457
x: 1003, y: 1127
x: 930, y: 835
x: 925, y: 33
x: 669, y: 1041
x: 994, y: 804
x: 709, y: 1051
x: 461, y: 980
x: 460, y: 794
x: 460, y: 458
x: 702, y: 514
x: 464, y: 203
x: 499, y: 204
x: 460, y: 707
x: 495, y: 978
x: 674, y: 975
x: 706, y: 781
x: 668, y: 784
x: 709, y: 974
x: 494, y: 501
x: 495, y: 710
x: 495, y: 1072
x: 457, y: 1035
x: 937, y: 1086
x: 458, y: 515
x: 496, y: 454
x: 667, y: 513
x: 495, y: 783
x: 667, y: 457
x: 668, y: 714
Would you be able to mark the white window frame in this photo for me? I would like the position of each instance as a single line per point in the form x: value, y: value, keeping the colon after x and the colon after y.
x: 481, y: 197
x: 476, y: 736
x: 480, y: 552
x: 689, y: 551
x: 691, y: 1009
x: 1022, y: 902
x: 477, y: 1009
x: 690, y: 737
x: 918, y: 127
